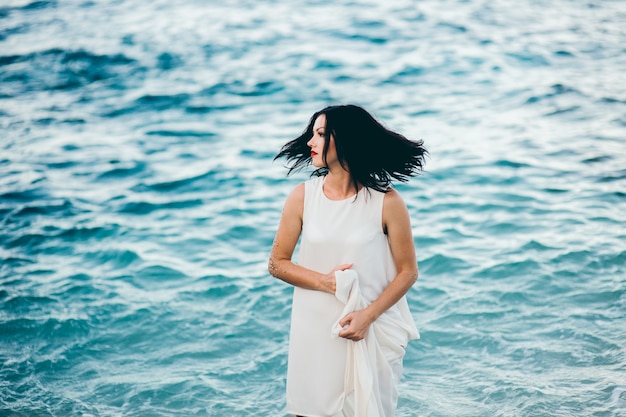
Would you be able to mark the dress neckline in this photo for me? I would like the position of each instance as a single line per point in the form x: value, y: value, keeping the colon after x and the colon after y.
x: 352, y: 197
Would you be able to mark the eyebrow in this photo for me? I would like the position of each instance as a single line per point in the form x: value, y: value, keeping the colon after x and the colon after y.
x: 319, y: 128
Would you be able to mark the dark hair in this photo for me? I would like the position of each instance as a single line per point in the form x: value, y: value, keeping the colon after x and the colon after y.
x: 374, y: 155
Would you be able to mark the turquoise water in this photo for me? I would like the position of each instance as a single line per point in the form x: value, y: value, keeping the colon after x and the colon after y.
x: 138, y: 199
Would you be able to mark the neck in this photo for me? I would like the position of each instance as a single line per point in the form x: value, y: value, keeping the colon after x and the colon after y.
x: 338, y: 184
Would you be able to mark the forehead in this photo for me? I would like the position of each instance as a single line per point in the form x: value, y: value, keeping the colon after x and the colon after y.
x: 320, y: 121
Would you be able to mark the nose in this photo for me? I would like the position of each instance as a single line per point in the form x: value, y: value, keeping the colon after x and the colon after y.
x: 310, y: 142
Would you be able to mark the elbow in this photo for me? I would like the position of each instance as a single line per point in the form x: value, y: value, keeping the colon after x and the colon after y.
x: 414, y: 276
x: 272, y: 267
x: 408, y: 277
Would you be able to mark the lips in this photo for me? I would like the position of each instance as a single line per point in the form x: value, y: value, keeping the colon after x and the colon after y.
x: 313, y: 153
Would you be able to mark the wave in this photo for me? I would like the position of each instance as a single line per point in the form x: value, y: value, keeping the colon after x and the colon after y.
x: 442, y: 264
x: 59, y: 69
x: 193, y: 183
x: 144, y: 207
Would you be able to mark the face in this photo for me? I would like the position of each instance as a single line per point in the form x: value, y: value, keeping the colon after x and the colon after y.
x: 316, y: 143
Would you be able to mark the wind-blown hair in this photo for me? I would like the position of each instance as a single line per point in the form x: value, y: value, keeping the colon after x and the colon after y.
x: 373, y: 154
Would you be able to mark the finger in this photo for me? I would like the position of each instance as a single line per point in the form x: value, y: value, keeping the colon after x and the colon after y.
x: 346, y: 333
x: 343, y: 267
x: 345, y: 320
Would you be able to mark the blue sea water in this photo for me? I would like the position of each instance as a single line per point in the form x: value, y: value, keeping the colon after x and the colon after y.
x: 138, y: 198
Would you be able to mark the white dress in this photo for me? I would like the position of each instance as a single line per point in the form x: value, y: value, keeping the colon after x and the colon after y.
x: 336, y: 232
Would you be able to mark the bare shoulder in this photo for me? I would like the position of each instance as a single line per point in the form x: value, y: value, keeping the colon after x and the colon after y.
x: 393, y: 201
x: 295, y: 201
x: 297, y: 194
x: 395, y: 212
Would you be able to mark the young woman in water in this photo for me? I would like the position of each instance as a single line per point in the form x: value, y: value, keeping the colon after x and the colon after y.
x: 348, y: 218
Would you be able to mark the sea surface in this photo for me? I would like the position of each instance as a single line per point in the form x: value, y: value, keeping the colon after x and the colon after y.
x: 139, y: 199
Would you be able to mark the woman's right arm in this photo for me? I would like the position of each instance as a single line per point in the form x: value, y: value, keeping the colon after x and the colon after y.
x: 280, y: 264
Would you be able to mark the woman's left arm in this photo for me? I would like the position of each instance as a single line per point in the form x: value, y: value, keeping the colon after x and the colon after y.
x: 397, y: 224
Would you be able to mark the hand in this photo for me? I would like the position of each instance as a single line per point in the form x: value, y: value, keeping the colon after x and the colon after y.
x: 328, y: 282
x: 355, y: 325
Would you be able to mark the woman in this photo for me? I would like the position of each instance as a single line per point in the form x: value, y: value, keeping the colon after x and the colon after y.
x: 348, y: 219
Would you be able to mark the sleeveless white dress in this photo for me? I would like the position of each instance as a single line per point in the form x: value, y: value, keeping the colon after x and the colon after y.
x: 336, y: 232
